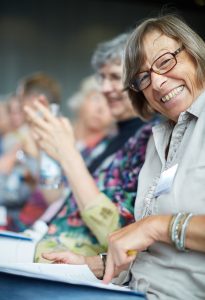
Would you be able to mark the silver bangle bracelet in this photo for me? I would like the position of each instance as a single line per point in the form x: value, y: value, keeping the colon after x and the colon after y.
x: 175, y: 229
x: 183, y: 232
x: 178, y: 230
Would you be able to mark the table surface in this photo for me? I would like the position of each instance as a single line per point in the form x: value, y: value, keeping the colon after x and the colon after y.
x: 14, y: 287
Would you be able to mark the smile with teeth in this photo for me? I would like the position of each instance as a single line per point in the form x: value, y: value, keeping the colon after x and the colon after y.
x: 172, y: 94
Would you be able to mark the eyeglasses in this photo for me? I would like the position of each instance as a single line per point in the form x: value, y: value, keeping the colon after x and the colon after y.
x: 161, y: 65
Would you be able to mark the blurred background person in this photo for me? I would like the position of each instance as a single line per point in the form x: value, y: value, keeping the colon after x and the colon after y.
x: 5, y: 125
x: 28, y: 89
x: 14, y: 191
x: 26, y: 201
x: 91, y: 118
x: 92, y: 122
x: 16, y: 120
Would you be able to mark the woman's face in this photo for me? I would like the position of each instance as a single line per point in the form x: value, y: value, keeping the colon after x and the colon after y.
x: 95, y: 112
x: 173, y: 92
x: 112, y: 88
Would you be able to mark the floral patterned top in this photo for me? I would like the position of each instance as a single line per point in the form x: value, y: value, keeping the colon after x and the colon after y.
x: 22, y: 217
x: 117, y: 179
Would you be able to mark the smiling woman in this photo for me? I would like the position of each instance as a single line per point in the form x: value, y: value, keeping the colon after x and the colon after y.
x: 173, y: 91
x: 169, y: 232
x: 150, y: 45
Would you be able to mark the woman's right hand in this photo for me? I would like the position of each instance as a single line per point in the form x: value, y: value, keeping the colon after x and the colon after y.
x: 138, y: 237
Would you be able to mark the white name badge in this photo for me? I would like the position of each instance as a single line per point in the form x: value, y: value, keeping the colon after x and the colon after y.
x: 165, y: 181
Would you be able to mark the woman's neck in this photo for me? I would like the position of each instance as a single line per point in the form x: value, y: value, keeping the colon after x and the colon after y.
x: 127, y: 117
x: 88, y: 136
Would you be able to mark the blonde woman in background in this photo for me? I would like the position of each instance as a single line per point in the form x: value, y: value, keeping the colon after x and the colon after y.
x: 91, y: 118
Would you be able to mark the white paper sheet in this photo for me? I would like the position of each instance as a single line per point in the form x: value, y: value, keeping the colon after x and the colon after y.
x: 73, y: 274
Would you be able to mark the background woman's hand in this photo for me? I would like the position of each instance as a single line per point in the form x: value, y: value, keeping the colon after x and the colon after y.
x: 53, y: 134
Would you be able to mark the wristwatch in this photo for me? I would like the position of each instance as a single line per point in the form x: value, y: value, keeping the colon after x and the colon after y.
x: 103, y: 257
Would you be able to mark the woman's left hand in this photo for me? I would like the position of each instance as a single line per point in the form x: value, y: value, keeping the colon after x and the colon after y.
x: 53, y: 134
x: 65, y: 257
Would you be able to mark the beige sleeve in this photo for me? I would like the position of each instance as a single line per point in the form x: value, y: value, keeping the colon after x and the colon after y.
x: 102, y: 218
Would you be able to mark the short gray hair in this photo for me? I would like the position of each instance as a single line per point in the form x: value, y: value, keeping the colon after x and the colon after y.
x: 173, y: 27
x: 109, y: 51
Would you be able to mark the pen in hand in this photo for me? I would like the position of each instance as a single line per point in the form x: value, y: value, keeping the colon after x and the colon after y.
x: 132, y: 252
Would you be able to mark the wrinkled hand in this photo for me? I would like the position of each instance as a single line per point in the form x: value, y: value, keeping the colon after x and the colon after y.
x: 53, y: 134
x: 93, y: 262
x: 65, y: 257
x: 137, y: 236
